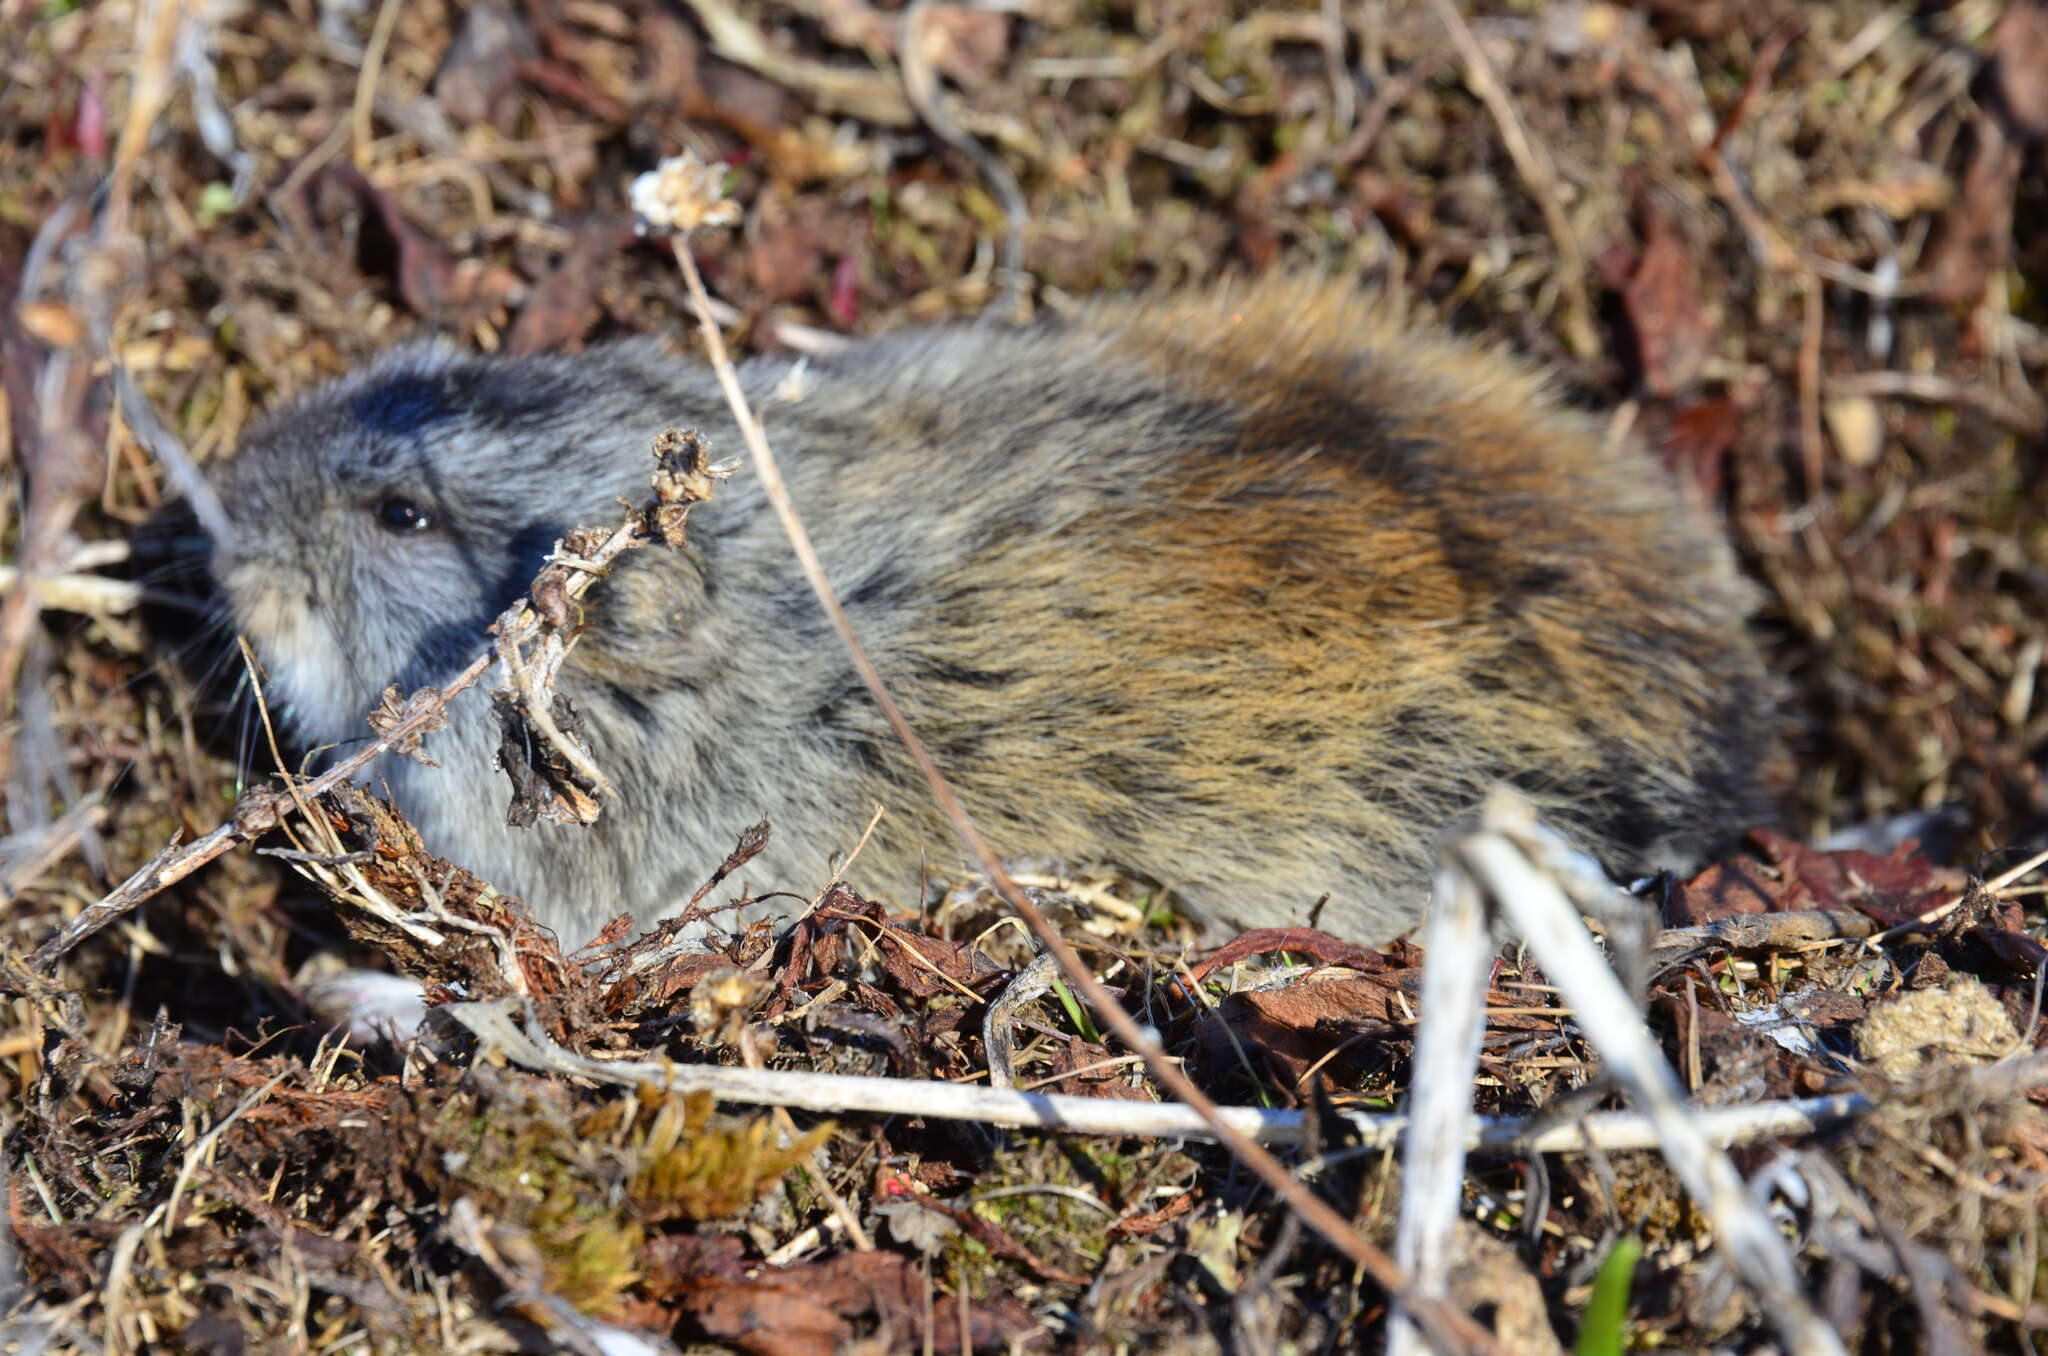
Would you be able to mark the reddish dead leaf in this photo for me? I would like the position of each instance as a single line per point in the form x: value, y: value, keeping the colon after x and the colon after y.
x: 807, y: 1309
x: 788, y: 242
x: 2009, y: 949
x: 922, y: 964
x: 431, y: 280
x: 1318, y: 1023
x: 785, y: 261
x: 1329, y: 1002
x: 1393, y: 203
x: 744, y: 99
x: 563, y: 306
x: 1724, y: 890
x: 1827, y: 1008
x: 2016, y: 78
x: 1296, y: 1027
x: 1975, y: 234
x: 1662, y: 300
x: 680, y: 976
x: 1254, y: 207
x: 1697, y: 443
x: 1791, y: 876
x: 1889, y: 889
x: 1084, y: 1069
x: 788, y: 1311
x: 1997, y: 941
x: 554, y: 78
x: 1699, y: 20
x: 1137, y: 1226
x: 1320, y: 946
x: 479, y: 73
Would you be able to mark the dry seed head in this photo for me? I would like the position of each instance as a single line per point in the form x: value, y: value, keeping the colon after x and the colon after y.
x: 682, y: 193
x: 720, y: 1002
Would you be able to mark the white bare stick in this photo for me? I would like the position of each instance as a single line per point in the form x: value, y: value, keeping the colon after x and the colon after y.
x: 843, y: 1095
x: 1446, y: 1062
x: 1545, y: 917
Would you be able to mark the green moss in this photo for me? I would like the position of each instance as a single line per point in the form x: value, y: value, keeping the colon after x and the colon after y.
x: 587, y: 1189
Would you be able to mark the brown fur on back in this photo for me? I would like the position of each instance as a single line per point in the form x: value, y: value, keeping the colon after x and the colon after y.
x: 1407, y: 575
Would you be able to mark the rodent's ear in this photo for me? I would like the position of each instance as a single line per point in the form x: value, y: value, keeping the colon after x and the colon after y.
x: 638, y: 624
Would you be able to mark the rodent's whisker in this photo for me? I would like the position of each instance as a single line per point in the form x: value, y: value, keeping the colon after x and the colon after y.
x: 184, y: 565
x: 347, y: 653
x: 245, y: 740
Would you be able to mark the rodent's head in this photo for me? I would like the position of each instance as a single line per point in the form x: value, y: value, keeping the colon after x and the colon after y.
x: 381, y: 522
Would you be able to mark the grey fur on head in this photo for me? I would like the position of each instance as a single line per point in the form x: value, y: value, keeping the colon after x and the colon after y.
x: 1255, y: 594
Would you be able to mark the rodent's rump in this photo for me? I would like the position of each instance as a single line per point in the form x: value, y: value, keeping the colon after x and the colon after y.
x: 1255, y: 593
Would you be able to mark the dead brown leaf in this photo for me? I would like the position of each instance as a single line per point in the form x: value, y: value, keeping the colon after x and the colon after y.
x: 810, y: 1308
x: 479, y: 72
x: 1295, y: 1028
x: 1697, y: 442
x: 1790, y: 876
x: 431, y: 280
x: 1975, y: 234
x: 2016, y: 77
x: 1320, y: 946
x: 1662, y: 299
x: 563, y: 306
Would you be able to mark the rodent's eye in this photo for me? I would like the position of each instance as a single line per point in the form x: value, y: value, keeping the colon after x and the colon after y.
x: 396, y: 513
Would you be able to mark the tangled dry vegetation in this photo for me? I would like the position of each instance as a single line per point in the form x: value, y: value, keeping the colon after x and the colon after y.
x: 1787, y: 242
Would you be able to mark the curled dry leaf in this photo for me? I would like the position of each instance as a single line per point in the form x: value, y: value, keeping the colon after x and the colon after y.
x: 1664, y: 310
x: 782, y: 1311
x: 432, y: 280
x: 392, y: 712
x: 1698, y: 440
x: 2017, y: 77
x: 564, y: 305
x: 1320, y: 946
x: 479, y: 73
x: 545, y: 784
x: 1975, y: 235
